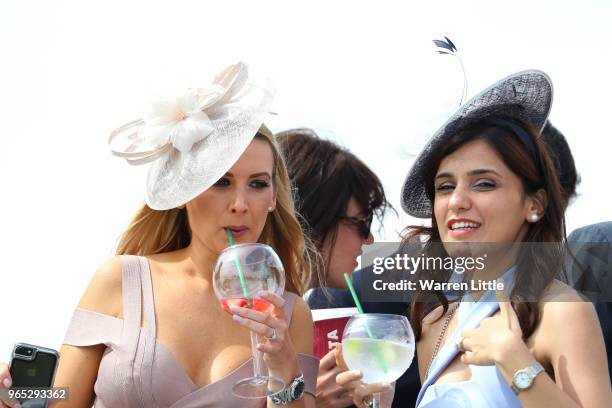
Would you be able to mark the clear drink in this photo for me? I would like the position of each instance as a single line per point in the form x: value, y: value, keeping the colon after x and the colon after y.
x: 381, y: 346
x: 378, y: 360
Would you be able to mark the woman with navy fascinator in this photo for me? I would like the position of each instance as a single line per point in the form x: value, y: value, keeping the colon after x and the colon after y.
x: 486, y: 181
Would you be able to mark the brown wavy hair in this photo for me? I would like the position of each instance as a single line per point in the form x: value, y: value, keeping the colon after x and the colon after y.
x: 153, y: 232
x: 535, y: 272
x: 325, y: 176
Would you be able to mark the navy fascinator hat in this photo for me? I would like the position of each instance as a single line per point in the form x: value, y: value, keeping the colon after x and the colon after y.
x: 524, y: 96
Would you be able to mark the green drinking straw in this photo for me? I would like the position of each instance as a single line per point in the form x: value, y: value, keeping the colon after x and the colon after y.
x: 240, y: 275
x: 370, y: 335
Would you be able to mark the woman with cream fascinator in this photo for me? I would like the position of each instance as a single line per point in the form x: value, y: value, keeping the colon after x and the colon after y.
x: 149, y: 330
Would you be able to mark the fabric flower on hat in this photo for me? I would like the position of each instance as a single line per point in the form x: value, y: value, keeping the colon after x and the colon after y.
x: 191, y: 139
x: 180, y: 121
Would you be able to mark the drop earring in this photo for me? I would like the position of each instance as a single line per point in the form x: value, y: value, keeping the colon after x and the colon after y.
x: 534, y: 217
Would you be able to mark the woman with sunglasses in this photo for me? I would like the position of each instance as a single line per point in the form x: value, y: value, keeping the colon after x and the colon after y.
x: 337, y: 196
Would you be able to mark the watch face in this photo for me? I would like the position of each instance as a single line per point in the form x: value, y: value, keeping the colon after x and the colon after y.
x: 298, y: 390
x: 522, y: 380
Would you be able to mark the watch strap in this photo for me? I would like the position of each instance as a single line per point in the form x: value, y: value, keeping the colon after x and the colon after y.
x: 533, y: 370
x: 293, y: 392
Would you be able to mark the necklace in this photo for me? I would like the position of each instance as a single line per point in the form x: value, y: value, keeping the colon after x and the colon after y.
x: 441, y: 336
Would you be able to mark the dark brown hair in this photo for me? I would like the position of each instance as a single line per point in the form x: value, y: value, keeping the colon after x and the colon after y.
x: 534, y: 271
x: 562, y: 156
x: 324, y: 177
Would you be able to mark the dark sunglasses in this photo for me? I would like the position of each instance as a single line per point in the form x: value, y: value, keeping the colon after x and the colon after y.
x: 361, y: 224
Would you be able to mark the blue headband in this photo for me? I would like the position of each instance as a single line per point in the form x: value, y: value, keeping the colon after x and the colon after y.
x: 520, y: 131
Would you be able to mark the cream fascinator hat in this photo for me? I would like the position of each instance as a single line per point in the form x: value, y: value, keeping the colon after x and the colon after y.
x: 192, y: 140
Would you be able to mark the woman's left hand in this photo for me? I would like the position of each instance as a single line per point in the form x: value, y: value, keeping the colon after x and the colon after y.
x: 272, y: 330
x: 497, y: 338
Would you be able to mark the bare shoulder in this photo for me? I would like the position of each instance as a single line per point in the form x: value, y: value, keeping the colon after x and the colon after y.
x: 167, y: 262
x: 558, y: 291
x: 103, y: 295
x: 570, y: 337
x: 563, y: 308
x: 301, y: 327
x: 167, y: 257
x: 301, y: 313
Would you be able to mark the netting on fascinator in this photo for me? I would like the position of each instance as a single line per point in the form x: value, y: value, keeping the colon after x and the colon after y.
x: 193, y: 139
x: 524, y: 96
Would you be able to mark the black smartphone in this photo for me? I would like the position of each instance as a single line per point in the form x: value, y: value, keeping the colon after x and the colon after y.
x: 32, y: 367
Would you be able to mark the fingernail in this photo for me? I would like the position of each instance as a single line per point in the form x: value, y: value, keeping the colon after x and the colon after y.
x: 237, y: 318
x: 234, y: 309
x: 385, y: 385
x: 7, y: 382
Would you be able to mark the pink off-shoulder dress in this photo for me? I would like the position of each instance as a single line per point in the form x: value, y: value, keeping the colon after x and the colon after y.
x: 137, y: 370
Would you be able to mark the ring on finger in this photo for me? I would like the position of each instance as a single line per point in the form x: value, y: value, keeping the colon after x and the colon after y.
x: 273, y: 336
x: 459, y: 344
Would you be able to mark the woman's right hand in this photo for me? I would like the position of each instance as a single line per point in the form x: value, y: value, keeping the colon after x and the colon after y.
x: 6, y: 382
x: 329, y: 393
x: 362, y: 393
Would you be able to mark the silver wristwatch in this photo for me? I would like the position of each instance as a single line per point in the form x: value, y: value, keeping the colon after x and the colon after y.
x: 293, y: 392
x: 523, y: 379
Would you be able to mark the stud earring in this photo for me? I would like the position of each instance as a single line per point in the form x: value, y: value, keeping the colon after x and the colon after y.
x: 534, y: 217
x: 270, y: 209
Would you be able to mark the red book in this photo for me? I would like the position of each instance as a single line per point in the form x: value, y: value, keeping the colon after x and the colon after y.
x: 329, y: 327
